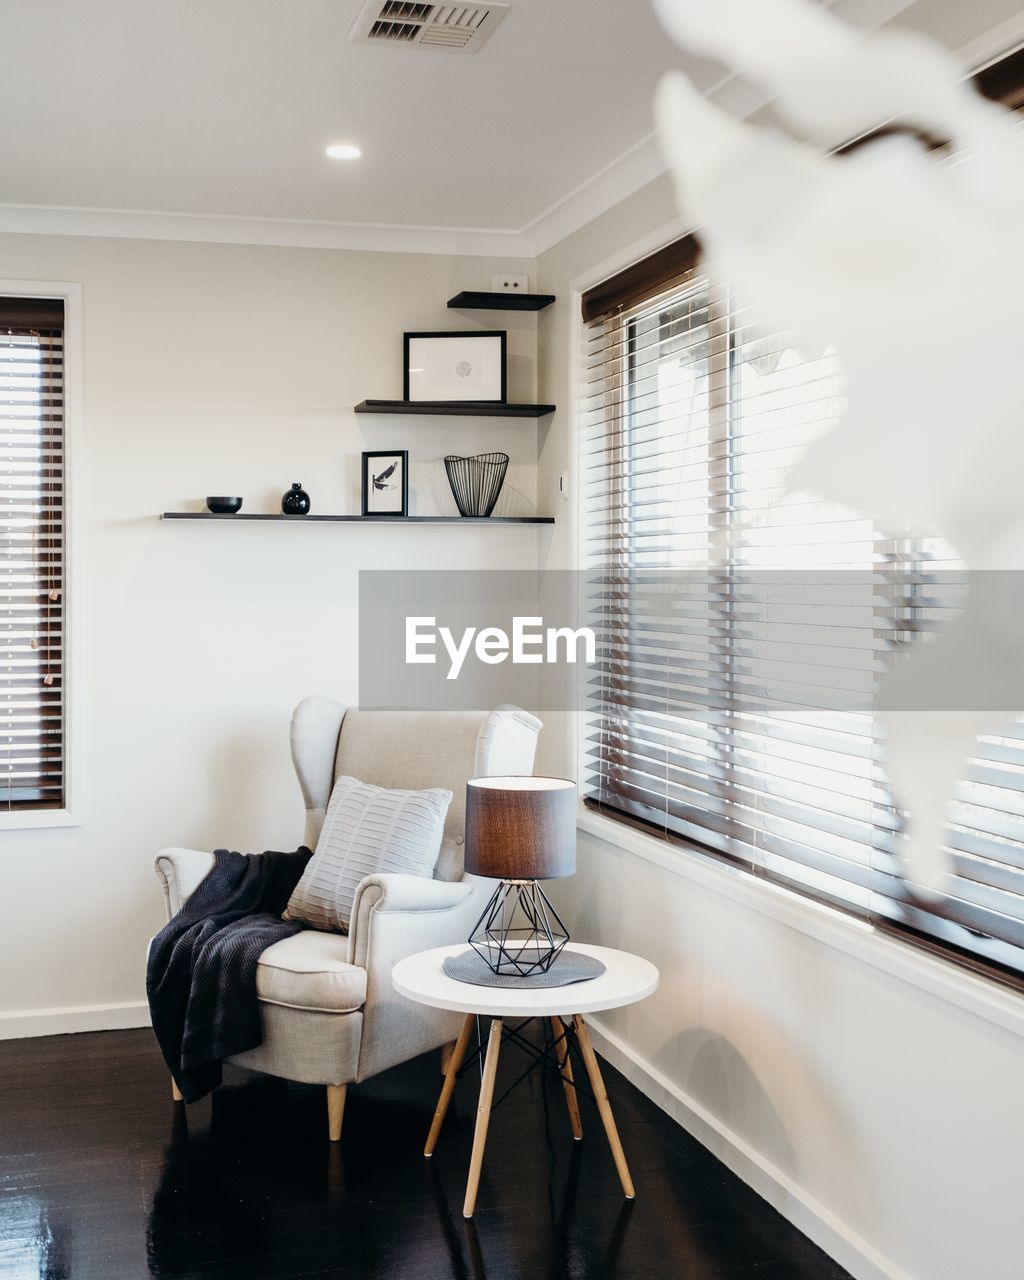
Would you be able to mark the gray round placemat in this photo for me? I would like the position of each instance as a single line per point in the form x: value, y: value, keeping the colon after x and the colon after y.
x: 470, y: 967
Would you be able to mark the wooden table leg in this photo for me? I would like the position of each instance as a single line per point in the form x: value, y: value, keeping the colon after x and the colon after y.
x: 603, y: 1105
x: 483, y: 1115
x: 565, y: 1068
x: 455, y: 1061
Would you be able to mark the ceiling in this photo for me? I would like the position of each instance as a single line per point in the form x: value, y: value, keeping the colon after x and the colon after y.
x: 221, y: 109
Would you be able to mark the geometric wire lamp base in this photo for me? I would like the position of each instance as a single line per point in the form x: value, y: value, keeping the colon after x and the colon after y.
x: 519, y: 933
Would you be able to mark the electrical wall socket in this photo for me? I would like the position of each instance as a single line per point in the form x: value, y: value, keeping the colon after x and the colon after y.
x: 510, y: 284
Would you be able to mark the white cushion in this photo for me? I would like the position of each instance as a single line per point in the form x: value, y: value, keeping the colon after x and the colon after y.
x: 416, y: 750
x: 309, y: 971
x: 367, y: 830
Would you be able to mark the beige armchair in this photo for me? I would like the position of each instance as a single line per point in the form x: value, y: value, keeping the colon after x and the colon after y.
x: 330, y: 1015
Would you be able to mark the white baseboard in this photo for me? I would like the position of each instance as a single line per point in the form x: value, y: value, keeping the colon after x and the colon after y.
x: 822, y: 1226
x: 22, y: 1023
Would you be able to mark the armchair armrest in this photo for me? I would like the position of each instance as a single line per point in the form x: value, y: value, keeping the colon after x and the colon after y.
x: 180, y: 872
x: 394, y: 916
x: 429, y: 913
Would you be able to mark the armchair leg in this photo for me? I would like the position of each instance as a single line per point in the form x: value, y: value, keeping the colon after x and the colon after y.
x: 335, y: 1110
x: 176, y: 1093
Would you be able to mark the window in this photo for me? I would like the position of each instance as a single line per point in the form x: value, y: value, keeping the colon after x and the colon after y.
x: 715, y: 717
x: 32, y: 588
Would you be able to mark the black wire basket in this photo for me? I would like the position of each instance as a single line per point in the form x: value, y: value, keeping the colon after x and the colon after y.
x: 476, y: 482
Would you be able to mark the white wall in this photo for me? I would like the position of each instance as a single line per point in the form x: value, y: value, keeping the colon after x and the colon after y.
x: 221, y: 369
x: 872, y: 1093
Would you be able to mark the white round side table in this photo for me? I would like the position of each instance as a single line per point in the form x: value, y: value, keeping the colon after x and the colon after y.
x: 626, y: 979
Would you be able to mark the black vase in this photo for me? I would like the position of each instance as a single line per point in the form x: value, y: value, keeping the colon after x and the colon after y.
x: 296, y: 501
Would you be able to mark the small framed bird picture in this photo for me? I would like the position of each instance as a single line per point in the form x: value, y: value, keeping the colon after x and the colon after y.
x: 386, y: 483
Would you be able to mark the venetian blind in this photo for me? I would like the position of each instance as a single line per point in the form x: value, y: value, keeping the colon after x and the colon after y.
x: 731, y: 707
x: 32, y: 553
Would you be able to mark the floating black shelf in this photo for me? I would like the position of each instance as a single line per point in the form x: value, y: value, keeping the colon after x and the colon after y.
x: 470, y: 301
x: 215, y: 515
x: 456, y: 408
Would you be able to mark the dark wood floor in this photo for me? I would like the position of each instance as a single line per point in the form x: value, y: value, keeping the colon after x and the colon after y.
x: 103, y: 1178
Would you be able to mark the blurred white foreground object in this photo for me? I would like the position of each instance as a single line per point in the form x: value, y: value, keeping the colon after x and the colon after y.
x: 913, y: 270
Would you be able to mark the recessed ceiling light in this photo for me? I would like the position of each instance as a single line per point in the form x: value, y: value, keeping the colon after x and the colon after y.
x: 344, y: 151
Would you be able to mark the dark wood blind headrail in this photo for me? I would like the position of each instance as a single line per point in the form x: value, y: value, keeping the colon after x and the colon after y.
x: 661, y: 270
x: 1003, y: 81
x: 32, y: 313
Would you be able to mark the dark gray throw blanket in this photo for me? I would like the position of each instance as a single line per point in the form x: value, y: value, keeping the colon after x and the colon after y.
x: 201, y: 975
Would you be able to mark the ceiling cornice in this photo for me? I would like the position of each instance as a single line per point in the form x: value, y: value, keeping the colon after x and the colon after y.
x: 632, y: 170
x: 628, y: 173
x: 50, y: 220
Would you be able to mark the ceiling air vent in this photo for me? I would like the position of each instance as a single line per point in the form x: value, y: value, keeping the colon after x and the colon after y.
x: 459, y: 28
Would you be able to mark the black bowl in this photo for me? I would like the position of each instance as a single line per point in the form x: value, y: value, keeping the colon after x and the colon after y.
x: 224, y: 506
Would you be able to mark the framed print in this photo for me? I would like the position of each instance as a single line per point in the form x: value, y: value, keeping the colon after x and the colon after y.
x: 455, y: 366
x: 386, y: 483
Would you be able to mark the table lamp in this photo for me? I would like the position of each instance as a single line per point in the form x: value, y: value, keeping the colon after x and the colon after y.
x: 519, y: 831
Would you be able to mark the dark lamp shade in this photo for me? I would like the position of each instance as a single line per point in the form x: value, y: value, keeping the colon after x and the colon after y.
x: 521, y: 828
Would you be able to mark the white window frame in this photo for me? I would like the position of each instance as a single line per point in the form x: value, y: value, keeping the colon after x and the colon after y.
x: 71, y: 813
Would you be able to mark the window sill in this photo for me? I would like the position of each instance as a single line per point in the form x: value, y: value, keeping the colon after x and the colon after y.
x: 37, y: 819
x: 856, y: 938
